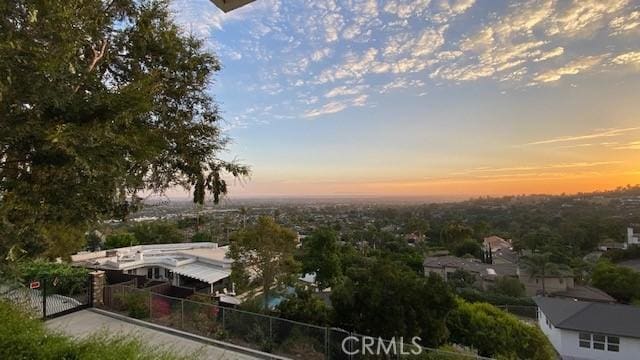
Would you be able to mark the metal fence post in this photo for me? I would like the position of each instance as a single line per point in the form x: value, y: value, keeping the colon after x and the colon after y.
x: 223, y: 324
x: 326, y: 343
x: 270, y: 329
x: 182, y: 313
x: 350, y: 345
x: 150, y: 305
x: 44, y: 299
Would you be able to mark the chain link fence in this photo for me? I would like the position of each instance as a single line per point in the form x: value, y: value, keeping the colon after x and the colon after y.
x: 261, y: 332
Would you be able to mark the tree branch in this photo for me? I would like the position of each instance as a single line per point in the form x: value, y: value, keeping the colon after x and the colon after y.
x: 97, y: 56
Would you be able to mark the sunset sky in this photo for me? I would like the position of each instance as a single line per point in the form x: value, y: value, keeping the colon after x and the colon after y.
x: 430, y: 98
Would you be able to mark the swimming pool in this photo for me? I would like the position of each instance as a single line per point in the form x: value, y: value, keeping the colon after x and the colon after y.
x: 274, y: 299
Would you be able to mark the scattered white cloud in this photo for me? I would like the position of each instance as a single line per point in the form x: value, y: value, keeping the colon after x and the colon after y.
x: 447, y: 9
x: 550, y: 54
x: 406, y: 8
x: 333, y: 107
x: 321, y: 54
x: 630, y: 58
x: 605, y: 133
x: 344, y: 90
x: 629, y: 146
x: 582, y: 15
x: 625, y: 23
x: 572, y: 68
x: 332, y: 49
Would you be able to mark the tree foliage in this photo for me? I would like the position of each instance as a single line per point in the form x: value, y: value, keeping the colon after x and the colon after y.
x: 321, y: 255
x: 266, y: 250
x: 495, y: 333
x: 621, y: 283
x: 119, y: 240
x: 541, y: 266
x: 468, y: 247
x: 508, y: 286
x: 157, y: 232
x: 387, y: 299
x: 304, y: 306
x: 100, y: 100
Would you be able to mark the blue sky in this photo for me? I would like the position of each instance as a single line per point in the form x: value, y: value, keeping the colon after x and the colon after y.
x: 419, y: 97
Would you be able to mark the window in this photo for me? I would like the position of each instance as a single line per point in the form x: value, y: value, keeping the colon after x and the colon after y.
x: 585, y: 340
x: 613, y: 343
x: 150, y: 273
x: 166, y: 273
x: 156, y: 273
x: 599, y: 342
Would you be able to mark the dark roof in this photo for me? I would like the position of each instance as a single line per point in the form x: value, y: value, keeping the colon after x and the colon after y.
x: 471, y: 265
x: 506, y: 255
x: 585, y: 293
x: 611, y: 319
x: 631, y: 264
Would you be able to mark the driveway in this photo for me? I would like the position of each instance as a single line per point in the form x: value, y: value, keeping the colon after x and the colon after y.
x: 86, y: 322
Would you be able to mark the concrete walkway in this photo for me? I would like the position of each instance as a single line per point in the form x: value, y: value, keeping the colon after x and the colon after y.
x: 86, y: 322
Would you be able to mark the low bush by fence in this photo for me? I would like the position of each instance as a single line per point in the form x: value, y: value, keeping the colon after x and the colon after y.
x: 251, y: 330
x: 527, y: 312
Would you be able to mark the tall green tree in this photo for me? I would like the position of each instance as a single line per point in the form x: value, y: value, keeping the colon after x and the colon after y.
x: 266, y: 251
x: 540, y: 266
x: 620, y: 282
x: 497, y: 334
x: 100, y: 100
x: 387, y: 299
x: 304, y: 306
x: 321, y: 255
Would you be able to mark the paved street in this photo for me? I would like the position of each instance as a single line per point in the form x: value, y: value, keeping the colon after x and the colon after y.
x: 84, y: 323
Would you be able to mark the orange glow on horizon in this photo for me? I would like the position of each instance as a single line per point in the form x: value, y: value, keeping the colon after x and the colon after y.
x: 445, y: 188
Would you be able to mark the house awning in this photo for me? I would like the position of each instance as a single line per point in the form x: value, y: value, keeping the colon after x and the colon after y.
x: 202, y: 272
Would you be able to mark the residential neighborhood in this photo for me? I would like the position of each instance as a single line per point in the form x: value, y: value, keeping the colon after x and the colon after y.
x: 319, y: 179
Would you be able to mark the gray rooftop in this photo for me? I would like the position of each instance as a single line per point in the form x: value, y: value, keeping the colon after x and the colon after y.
x: 472, y: 265
x: 585, y: 293
x: 611, y: 319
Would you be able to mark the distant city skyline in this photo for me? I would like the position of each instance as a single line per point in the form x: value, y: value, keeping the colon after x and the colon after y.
x: 443, y: 98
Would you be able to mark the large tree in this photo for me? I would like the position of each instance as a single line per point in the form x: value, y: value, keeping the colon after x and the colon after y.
x: 387, y: 299
x: 264, y: 252
x: 496, y: 333
x: 541, y: 266
x: 321, y: 255
x: 620, y: 282
x: 100, y: 100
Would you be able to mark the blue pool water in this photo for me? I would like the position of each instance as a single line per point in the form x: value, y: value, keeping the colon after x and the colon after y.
x: 276, y: 298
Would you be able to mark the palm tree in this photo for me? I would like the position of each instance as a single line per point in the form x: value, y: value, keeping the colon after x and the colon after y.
x: 540, y: 266
x: 244, y: 211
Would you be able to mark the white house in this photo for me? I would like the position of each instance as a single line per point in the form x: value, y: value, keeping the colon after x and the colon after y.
x: 186, y: 264
x: 632, y: 237
x: 581, y: 330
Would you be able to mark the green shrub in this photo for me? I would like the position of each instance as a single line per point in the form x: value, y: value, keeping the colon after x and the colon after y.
x: 620, y: 282
x: 119, y: 240
x: 61, y: 278
x: 509, y: 286
x: 474, y: 295
x: 23, y: 337
x: 496, y: 333
x: 136, y: 304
